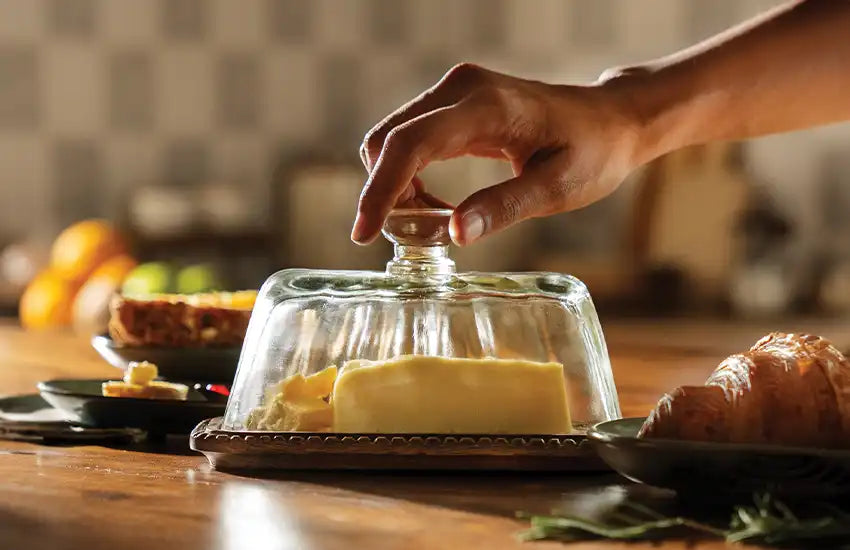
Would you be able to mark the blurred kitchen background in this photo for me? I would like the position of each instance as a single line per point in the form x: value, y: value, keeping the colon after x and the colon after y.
x: 222, y: 135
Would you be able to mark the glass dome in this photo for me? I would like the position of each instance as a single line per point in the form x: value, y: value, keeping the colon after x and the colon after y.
x: 420, y: 348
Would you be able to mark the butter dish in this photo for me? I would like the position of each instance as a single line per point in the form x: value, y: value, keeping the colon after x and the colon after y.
x: 418, y: 360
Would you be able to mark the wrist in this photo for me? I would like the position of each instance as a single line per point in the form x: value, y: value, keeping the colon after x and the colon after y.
x: 662, y: 107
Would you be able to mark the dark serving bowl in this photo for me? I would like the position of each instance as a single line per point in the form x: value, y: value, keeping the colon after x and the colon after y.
x: 84, y: 402
x: 213, y: 365
x: 707, y: 469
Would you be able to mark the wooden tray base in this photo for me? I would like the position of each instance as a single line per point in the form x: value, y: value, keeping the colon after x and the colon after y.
x: 277, y: 451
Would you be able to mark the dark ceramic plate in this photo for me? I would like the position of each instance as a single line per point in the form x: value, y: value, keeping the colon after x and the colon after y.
x: 693, y: 467
x: 214, y: 365
x: 83, y: 400
x: 31, y: 418
x: 22, y: 404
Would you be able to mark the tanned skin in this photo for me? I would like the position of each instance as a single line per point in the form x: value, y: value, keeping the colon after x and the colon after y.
x: 571, y: 145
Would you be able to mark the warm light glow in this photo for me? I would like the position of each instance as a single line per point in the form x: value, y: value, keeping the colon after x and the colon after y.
x: 252, y: 517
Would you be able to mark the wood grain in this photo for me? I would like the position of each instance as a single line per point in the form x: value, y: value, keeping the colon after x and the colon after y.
x: 163, y: 496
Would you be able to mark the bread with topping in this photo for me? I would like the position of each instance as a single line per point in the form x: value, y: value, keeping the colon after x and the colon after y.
x: 178, y: 321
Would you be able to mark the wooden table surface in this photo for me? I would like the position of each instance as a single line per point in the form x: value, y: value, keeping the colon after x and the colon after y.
x: 162, y: 496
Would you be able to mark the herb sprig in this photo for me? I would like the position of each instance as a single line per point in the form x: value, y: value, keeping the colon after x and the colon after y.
x: 767, y: 521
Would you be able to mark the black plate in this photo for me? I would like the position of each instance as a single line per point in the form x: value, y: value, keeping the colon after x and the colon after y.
x: 214, y: 365
x: 84, y: 401
x: 31, y: 418
x: 23, y: 404
x: 695, y: 467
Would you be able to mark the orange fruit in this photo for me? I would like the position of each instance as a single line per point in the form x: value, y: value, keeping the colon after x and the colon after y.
x: 82, y: 247
x: 115, y: 268
x: 47, y: 301
x: 90, y: 310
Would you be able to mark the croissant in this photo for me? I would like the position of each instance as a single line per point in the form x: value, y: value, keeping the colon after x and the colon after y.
x: 788, y: 389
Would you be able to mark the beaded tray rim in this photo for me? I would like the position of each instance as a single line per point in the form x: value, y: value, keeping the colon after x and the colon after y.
x: 284, y: 450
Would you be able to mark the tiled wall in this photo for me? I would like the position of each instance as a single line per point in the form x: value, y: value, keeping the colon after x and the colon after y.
x: 97, y: 96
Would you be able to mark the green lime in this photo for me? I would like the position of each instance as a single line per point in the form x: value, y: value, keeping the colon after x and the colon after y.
x: 149, y: 278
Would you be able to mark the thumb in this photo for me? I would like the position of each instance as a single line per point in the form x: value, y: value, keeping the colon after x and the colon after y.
x: 543, y: 189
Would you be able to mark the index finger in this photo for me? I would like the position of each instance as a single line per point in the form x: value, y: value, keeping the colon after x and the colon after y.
x: 441, y: 134
x: 458, y: 82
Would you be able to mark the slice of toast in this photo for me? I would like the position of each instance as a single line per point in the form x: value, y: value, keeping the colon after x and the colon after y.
x: 173, y: 320
x: 153, y: 390
x: 139, y: 382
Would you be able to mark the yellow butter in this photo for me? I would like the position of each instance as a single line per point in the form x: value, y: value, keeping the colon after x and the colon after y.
x: 298, y: 403
x: 287, y: 416
x: 140, y: 374
x: 316, y: 386
x: 421, y: 394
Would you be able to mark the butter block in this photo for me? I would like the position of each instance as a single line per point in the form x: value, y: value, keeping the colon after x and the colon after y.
x: 140, y: 374
x: 297, y: 403
x: 320, y: 384
x: 422, y: 394
x: 286, y: 416
x: 315, y: 386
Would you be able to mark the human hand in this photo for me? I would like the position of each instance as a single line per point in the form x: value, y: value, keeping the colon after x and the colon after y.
x: 568, y: 146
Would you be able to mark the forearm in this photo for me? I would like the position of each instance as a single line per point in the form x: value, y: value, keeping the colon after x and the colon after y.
x: 786, y: 70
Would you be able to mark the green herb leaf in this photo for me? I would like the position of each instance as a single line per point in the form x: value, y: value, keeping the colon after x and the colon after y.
x: 767, y: 521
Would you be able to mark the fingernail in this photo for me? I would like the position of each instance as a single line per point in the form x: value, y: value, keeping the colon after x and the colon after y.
x: 357, y: 231
x: 472, y: 224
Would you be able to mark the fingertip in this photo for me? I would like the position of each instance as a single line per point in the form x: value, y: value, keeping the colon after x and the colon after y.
x: 367, y: 228
x: 362, y: 239
x: 358, y: 231
x: 454, y: 229
x: 466, y: 227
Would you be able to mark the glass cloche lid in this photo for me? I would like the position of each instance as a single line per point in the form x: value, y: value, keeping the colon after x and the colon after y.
x: 421, y: 348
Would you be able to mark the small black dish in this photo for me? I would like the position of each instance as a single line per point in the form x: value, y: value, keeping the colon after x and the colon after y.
x: 84, y: 402
x: 214, y: 365
x: 31, y: 418
x: 25, y: 406
x: 726, y: 469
